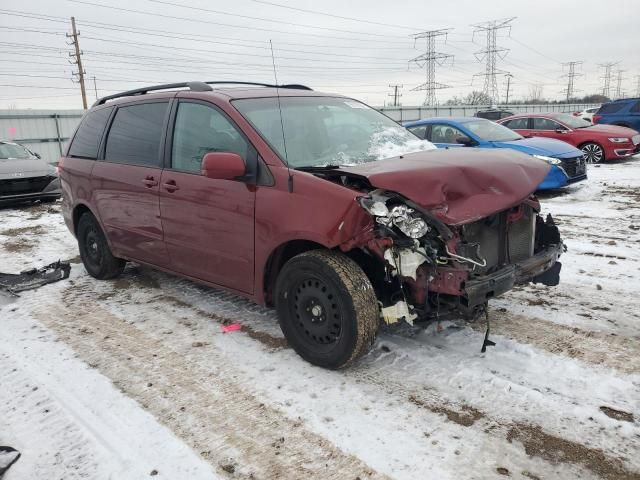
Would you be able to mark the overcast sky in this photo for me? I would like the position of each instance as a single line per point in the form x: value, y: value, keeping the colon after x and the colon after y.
x: 352, y: 47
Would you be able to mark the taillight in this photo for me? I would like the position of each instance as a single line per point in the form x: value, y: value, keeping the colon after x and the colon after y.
x: 596, y: 118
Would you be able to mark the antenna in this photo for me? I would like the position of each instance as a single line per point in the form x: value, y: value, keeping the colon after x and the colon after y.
x: 284, y: 141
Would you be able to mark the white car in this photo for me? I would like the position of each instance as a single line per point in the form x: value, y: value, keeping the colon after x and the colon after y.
x: 586, y: 114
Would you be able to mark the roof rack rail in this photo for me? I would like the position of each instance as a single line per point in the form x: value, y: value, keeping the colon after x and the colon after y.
x: 193, y: 86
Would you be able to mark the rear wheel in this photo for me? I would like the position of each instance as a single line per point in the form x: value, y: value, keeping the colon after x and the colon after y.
x: 94, y: 250
x: 327, y: 308
x: 593, y: 153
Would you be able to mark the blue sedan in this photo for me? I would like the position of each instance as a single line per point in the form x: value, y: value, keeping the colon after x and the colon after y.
x: 567, y: 162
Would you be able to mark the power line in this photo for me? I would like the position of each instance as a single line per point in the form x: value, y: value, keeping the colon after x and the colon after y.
x: 316, y: 12
x: 491, y: 53
x: 571, y: 76
x: 208, y: 22
x: 430, y: 59
x: 77, y: 60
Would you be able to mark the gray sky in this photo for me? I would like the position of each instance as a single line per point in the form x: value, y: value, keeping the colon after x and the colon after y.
x: 180, y: 40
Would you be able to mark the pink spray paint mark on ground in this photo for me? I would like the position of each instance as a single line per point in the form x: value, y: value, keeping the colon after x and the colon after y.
x: 231, y: 328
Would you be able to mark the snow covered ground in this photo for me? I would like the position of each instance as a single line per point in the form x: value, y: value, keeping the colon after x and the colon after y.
x: 133, y: 377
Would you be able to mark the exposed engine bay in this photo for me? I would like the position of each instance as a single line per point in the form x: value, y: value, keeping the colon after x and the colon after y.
x: 433, y: 271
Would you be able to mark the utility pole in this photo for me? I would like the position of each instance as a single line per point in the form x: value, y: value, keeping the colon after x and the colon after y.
x: 396, y: 95
x: 606, y: 87
x: 95, y: 87
x: 429, y: 60
x: 491, y: 53
x: 619, y: 84
x: 571, y: 75
x: 509, y: 77
x: 77, y: 56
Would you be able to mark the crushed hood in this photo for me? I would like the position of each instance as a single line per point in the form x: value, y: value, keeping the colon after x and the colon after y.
x: 458, y: 185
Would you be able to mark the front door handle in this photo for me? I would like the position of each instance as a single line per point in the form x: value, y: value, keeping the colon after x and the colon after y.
x: 149, y: 182
x: 170, y: 186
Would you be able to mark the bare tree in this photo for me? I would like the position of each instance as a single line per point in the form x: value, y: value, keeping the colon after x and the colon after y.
x: 536, y: 93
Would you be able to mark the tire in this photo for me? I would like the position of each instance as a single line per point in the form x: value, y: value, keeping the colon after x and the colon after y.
x: 593, y: 153
x: 94, y: 250
x: 327, y: 308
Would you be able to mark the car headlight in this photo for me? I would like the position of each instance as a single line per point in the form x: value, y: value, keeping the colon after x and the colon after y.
x: 400, y: 216
x: 619, y: 140
x: 549, y: 160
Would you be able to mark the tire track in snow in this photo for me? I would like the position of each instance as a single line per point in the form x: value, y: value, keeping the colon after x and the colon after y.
x: 227, y: 425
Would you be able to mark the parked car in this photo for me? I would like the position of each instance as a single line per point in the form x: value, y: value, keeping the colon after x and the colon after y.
x: 24, y: 176
x: 624, y: 113
x: 493, y: 114
x: 598, y: 142
x: 306, y: 201
x: 586, y: 114
x: 567, y: 162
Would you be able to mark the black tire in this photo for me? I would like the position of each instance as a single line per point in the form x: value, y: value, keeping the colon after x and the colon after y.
x: 327, y: 308
x: 593, y: 153
x: 94, y: 250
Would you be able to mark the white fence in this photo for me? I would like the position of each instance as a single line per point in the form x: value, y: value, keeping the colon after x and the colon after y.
x: 47, y: 131
x: 408, y: 114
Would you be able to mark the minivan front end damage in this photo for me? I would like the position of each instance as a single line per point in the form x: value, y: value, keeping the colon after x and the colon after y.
x: 434, y: 271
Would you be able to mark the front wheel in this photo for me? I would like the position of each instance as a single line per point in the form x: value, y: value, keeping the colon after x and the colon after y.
x: 327, y: 308
x: 593, y: 153
x: 94, y: 250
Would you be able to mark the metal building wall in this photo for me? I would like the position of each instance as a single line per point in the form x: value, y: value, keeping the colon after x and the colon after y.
x: 42, y: 131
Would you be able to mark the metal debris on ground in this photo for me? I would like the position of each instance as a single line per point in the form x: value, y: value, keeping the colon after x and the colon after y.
x: 34, y: 278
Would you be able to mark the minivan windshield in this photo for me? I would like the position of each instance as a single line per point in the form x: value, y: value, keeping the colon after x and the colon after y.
x: 13, y: 150
x: 492, y: 132
x: 327, y: 131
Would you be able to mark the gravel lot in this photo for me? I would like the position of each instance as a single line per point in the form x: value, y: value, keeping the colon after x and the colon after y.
x: 133, y: 377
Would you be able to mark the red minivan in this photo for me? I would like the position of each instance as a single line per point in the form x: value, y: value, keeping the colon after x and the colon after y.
x: 314, y: 203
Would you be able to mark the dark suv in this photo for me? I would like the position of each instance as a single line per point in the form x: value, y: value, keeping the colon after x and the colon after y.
x: 314, y: 203
x: 624, y: 112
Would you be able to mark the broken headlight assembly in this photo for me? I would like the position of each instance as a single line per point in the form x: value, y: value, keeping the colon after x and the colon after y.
x: 402, y: 217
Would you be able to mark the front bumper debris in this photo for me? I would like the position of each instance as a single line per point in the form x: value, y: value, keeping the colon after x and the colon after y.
x: 541, y: 268
x: 34, y: 278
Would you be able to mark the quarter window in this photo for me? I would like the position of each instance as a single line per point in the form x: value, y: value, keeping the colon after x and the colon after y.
x: 545, y: 124
x: 87, y: 139
x: 200, y: 129
x: 135, y: 134
x: 444, y: 134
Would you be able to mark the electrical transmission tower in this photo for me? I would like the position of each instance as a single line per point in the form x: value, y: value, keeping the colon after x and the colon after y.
x: 571, y: 75
x: 606, y: 87
x: 77, y: 60
x: 429, y: 60
x: 619, y: 93
x: 396, y: 94
x: 491, y: 53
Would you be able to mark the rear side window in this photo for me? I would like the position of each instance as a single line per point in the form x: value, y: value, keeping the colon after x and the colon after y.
x: 87, y: 139
x: 517, y: 123
x: 135, y: 134
x: 419, y: 131
x: 635, y: 108
x: 611, y: 107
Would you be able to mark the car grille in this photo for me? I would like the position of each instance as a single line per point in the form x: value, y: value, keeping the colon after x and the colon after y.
x: 486, y: 234
x: 574, y: 167
x: 20, y: 186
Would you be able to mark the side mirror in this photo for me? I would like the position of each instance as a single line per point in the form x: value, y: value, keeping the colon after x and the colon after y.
x: 223, y: 165
x: 464, y: 140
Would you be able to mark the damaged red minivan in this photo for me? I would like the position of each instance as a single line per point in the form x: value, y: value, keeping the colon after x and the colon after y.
x: 314, y: 203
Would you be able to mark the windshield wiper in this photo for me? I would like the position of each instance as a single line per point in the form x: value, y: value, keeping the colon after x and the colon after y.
x: 316, y: 168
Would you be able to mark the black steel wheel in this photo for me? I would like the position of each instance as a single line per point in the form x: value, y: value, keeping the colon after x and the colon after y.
x: 327, y: 308
x: 593, y: 153
x: 94, y: 250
